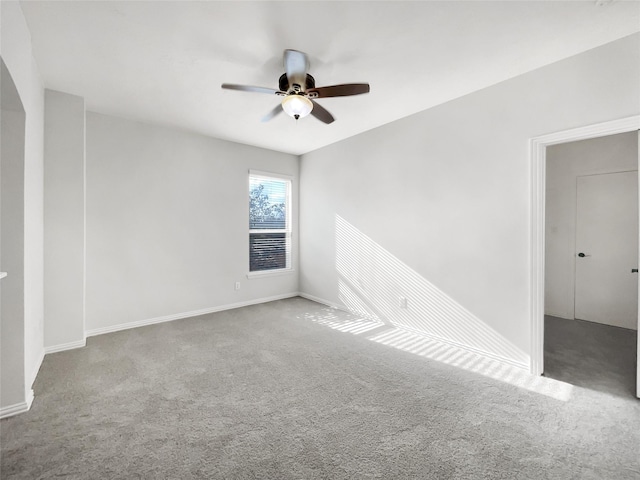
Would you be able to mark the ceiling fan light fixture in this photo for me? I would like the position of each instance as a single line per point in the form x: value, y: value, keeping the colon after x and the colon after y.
x: 299, y: 90
x: 297, y: 106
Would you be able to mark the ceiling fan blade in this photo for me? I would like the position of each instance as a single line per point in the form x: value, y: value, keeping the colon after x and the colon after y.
x: 296, y: 65
x: 249, y: 88
x: 272, y: 113
x: 321, y: 113
x: 344, y: 90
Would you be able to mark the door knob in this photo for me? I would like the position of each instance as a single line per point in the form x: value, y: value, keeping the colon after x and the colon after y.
x: 582, y: 255
x: 634, y: 270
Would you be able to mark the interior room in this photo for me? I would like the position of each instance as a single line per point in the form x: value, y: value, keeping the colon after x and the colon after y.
x: 318, y: 239
x: 591, y: 328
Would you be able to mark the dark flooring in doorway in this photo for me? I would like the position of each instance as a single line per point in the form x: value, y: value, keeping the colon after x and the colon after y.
x: 591, y: 355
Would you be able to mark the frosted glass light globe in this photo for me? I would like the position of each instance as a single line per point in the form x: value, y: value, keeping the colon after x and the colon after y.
x: 297, y: 106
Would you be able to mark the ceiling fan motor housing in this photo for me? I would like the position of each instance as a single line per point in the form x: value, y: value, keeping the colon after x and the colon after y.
x: 283, y: 83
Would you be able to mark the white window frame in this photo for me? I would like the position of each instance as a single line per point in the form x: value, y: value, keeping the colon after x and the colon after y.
x: 288, y: 227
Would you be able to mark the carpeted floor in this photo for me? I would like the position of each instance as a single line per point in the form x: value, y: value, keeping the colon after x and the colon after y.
x: 295, y: 390
x: 591, y: 355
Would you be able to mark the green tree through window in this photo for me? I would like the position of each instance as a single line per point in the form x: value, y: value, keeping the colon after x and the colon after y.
x: 264, y: 212
x: 269, y: 225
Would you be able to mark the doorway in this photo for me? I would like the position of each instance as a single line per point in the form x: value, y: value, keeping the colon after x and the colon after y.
x: 561, y: 303
x: 591, y: 247
x: 12, y: 130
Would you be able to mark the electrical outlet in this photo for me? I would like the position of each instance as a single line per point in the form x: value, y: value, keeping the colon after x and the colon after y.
x: 237, y: 286
x: 402, y: 302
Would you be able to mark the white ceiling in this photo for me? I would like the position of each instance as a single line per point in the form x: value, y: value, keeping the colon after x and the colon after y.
x: 164, y: 61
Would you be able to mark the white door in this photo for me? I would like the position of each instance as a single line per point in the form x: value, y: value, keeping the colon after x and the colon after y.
x: 607, y: 249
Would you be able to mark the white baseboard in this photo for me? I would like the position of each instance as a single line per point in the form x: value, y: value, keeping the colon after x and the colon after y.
x: 195, y: 313
x: 436, y: 338
x: 338, y: 306
x: 469, y: 348
x: 558, y: 315
x: 15, y: 409
x: 66, y: 346
x: 313, y: 298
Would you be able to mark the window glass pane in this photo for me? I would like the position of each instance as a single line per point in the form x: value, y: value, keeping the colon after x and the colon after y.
x: 267, y: 203
x: 267, y: 251
x: 269, y: 229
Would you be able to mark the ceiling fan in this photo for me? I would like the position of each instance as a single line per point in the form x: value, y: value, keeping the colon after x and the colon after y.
x: 299, y: 90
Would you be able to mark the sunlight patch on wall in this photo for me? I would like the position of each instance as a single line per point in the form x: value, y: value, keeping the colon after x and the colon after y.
x: 354, y: 302
x: 376, y: 284
x: 431, y: 349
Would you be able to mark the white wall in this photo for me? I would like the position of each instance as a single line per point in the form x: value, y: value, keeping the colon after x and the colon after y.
x: 436, y: 207
x: 16, y: 51
x: 64, y: 222
x: 167, y: 223
x: 565, y: 162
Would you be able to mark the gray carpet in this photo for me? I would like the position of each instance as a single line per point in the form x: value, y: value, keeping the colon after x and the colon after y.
x: 591, y: 355
x: 294, y: 390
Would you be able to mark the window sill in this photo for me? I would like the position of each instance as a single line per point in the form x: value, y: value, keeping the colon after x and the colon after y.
x: 270, y: 273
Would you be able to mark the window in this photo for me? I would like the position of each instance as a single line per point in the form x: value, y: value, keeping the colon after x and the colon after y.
x: 269, y: 222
